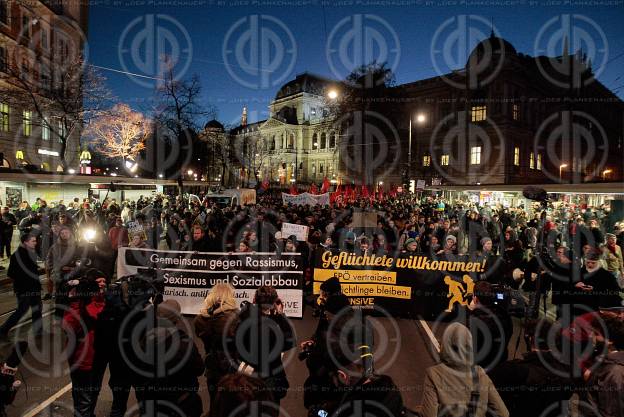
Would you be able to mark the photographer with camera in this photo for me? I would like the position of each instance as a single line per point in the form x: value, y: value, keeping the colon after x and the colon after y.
x: 355, y: 389
x: 86, y: 303
x: 263, y: 334
x: 490, y: 324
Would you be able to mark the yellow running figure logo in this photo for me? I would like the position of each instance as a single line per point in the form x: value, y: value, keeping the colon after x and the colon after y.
x: 457, y: 292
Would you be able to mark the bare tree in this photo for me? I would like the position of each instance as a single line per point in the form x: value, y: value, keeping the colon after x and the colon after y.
x: 179, y: 105
x: 218, y: 145
x: 62, y: 104
x: 120, y: 133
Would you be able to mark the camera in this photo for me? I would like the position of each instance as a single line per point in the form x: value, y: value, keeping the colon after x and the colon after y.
x: 318, y: 411
x: 509, y: 300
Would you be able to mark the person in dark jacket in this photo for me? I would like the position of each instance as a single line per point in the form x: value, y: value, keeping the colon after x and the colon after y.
x: 170, y: 389
x: 539, y: 371
x: 7, y: 223
x: 24, y: 272
x: 490, y: 325
x: 262, y: 336
x: 596, y: 288
x: 216, y: 325
x: 606, y: 382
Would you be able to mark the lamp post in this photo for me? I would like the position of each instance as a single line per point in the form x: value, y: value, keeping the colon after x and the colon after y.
x: 561, y: 169
x: 420, y: 119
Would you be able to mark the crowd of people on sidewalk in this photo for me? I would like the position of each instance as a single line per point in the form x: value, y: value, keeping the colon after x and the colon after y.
x: 570, y: 254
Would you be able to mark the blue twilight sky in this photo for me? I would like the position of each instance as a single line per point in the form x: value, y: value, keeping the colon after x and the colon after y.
x: 243, y: 50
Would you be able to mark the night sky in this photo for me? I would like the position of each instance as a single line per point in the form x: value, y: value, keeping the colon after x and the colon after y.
x: 310, y: 24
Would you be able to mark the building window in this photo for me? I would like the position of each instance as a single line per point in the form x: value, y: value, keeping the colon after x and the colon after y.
x: 320, y: 168
x: 426, y: 160
x: 517, y: 156
x: 61, y: 131
x: 291, y: 141
x: 515, y: 112
x: 26, y: 26
x: 444, y: 161
x: 323, y: 140
x: 26, y: 122
x: 44, y: 39
x: 272, y: 143
x: 313, y: 171
x: 3, y: 58
x: 332, y: 140
x: 539, y: 161
x: 44, y: 74
x: 4, y: 117
x: 4, y: 11
x: 532, y: 160
x: 314, y: 141
x: 475, y: 155
x: 45, y: 129
x: 479, y: 113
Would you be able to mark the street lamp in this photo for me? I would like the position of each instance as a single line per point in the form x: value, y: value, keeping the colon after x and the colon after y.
x: 189, y: 172
x: 420, y: 119
x: 332, y: 94
x: 561, y: 169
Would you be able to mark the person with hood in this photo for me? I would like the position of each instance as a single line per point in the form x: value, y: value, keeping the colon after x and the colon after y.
x: 86, y: 303
x: 171, y: 387
x: 263, y: 334
x: 216, y: 325
x: 457, y: 386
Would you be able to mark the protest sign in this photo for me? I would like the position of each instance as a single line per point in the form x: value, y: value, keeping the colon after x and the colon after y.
x: 364, y: 219
x: 306, y: 199
x: 188, y: 276
x: 300, y: 231
x: 411, y: 284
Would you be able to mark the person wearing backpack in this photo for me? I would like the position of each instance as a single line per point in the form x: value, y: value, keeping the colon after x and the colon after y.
x: 457, y: 387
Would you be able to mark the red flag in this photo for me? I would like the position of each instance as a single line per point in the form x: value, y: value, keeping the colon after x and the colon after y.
x: 325, y: 186
x: 313, y: 189
x: 364, y: 191
x: 293, y: 190
x: 265, y: 184
x: 381, y: 194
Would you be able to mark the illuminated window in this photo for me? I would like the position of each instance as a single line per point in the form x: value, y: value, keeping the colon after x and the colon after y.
x: 426, y: 160
x: 45, y: 129
x: 539, y: 161
x: 517, y: 156
x: 26, y: 122
x: 479, y: 113
x: 4, y: 117
x: 445, y: 160
x: 475, y: 155
x: 515, y: 112
x: 19, y: 155
x: 532, y: 160
x: 61, y: 131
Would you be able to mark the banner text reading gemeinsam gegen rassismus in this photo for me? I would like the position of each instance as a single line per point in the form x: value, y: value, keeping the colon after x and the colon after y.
x: 188, y: 276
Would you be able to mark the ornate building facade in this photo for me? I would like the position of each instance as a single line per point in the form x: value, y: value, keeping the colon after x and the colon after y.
x: 505, y: 118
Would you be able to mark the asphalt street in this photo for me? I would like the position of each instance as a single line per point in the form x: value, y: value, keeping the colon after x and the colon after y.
x: 404, y: 350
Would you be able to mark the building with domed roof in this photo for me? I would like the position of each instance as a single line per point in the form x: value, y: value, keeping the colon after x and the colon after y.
x: 504, y: 118
x: 296, y: 143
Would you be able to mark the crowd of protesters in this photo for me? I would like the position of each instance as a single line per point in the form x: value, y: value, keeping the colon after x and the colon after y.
x: 571, y: 253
